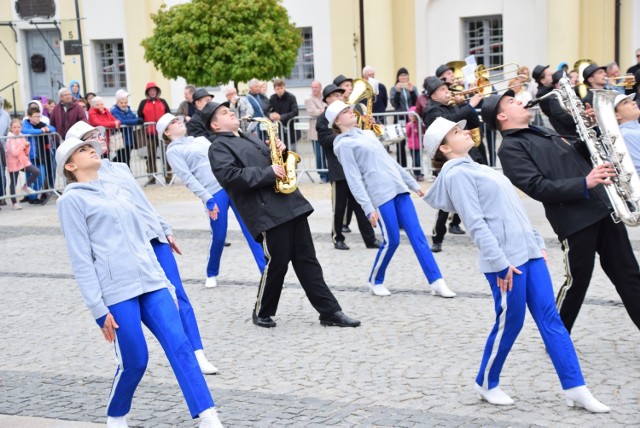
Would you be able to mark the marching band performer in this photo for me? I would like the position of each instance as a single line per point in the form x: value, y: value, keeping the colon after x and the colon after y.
x: 512, y: 257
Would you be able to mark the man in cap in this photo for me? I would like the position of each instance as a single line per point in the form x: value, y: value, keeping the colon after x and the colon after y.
x: 445, y: 73
x: 341, y: 194
x: 196, y: 127
x: 242, y: 164
x: 553, y: 170
x: 439, y: 105
x: 627, y: 114
x: 382, y: 98
x: 595, y: 77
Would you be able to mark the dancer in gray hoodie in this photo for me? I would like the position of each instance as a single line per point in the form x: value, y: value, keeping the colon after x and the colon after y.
x: 122, y: 282
x: 512, y: 257
x: 381, y: 187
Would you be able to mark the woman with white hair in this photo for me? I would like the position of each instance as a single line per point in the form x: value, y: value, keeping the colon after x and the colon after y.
x: 123, y: 113
x: 99, y: 115
x: 122, y: 283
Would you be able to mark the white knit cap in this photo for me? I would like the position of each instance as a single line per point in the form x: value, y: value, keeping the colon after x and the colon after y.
x: 436, y: 133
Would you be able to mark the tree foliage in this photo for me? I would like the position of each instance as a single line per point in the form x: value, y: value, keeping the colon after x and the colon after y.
x: 209, y: 42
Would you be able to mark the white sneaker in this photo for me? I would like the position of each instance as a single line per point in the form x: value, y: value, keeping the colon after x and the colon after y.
x: 211, y: 282
x: 117, y: 422
x: 209, y: 419
x: 28, y: 190
x: 205, y: 366
x: 494, y: 396
x: 439, y: 288
x: 17, y: 206
x: 580, y: 396
x: 378, y: 290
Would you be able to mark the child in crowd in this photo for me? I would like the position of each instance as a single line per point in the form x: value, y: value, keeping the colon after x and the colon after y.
x: 40, y: 152
x: 18, y: 160
x: 413, y: 143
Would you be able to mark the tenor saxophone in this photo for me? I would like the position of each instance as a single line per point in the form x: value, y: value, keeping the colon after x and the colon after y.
x: 289, y: 183
x: 608, y: 147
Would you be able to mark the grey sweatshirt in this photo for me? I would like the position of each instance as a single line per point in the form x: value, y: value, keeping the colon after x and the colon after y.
x: 189, y: 158
x: 110, y: 254
x: 492, y: 211
x: 373, y: 177
x: 119, y: 173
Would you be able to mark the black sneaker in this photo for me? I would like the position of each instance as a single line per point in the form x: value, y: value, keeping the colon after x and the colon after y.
x: 346, y: 229
x: 436, y: 248
x: 265, y: 322
x: 340, y: 245
x: 456, y: 230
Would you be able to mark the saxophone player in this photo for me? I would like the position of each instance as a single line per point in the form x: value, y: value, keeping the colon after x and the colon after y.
x: 242, y: 165
x: 555, y: 171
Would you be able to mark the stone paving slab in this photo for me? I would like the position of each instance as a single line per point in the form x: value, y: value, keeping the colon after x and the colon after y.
x: 412, y: 363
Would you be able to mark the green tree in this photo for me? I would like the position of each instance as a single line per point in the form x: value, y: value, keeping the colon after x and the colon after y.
x: 209, y: 42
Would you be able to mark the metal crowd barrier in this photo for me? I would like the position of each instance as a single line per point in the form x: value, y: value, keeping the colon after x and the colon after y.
x: 40, y: 149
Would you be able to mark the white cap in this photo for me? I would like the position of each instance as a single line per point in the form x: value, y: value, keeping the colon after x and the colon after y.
x: 121, y: 93
x: 621, y: 98
x: 80, y: 129
x: 436, y: 133
x: 66, y: 149
x: 163, y: 123
x: 334, y: 110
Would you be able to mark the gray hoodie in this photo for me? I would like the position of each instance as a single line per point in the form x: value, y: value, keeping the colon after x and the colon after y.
x: 108, y: 246
x: 119, y: 173
x: 189, y: 158
x: 373, y: 177
x: 492, y: 211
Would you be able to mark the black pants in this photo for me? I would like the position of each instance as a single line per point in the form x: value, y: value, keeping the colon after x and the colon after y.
x: 401, y: 154
x: 292, y: 242
x: 440, y: 229
x: 611, y: 242
x: 342, y: 197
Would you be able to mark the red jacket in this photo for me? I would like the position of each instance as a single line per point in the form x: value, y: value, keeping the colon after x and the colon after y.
x: 152, y: 109
x: 102, y: 118
x: 63, y: 120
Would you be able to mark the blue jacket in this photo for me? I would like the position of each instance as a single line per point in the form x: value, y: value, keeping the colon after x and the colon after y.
x: 34, y: 133
x: 492, y: 211
x: 126, y: 117
x: 110, y: 254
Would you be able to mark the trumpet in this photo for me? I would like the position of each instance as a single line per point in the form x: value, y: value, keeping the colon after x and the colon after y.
x: 627, y: 82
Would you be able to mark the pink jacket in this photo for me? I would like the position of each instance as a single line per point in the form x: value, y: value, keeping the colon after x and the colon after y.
x: 17, y: 153
x: 413, y: 139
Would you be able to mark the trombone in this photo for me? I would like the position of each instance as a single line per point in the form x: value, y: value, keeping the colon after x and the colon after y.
x: 486, y: 88
x: 483, y: 74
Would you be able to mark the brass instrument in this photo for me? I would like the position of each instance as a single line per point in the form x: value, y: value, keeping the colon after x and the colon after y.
x: 363, y: 90
x: 582, y: 88
x: 289, y: 183
x: 485, y: 88
x: 627, y: 82
x: 458, y: 75
x: 484, y: 75
x: 606, y: 147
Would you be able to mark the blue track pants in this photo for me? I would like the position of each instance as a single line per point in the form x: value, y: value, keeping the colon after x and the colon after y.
x: 219, y: 234
x: 401, y: 210
x: 158, y: 312
x: 532, y: 288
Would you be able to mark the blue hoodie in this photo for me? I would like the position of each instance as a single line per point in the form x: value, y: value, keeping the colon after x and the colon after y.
x: 74, y: 95
x: 126, y: 117
x: 189, y: 159
x: 111, y: 257
x: 373, y: 177
x: 492, y: 211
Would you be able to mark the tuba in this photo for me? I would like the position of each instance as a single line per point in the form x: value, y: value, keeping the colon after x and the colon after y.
x: 289, y: 183
x: 609, y: 147
x: 363, y: 90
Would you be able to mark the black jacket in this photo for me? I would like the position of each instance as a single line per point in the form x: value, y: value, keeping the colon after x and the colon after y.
x: 287, y: 107
x: 552, y: 170
x: 454, y: 113
x: 242, y: 165
x: 560, y: 119
x: 381, y: 100
x: 196, y: 126
x: 326, y: 136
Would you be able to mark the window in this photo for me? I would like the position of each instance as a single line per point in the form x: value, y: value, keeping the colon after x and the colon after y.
x: 111, y: 66
x: 302, y: 73
x: 483, y: 38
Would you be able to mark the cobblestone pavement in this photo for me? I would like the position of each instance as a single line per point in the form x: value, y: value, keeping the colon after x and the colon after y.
x: 411, y: 363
